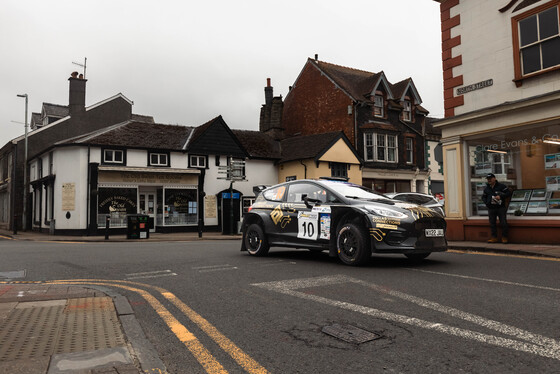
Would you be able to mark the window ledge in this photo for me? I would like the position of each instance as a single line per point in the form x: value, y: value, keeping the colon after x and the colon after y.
x: 519, y: 81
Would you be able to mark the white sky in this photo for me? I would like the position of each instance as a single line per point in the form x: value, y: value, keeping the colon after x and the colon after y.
x: 186, y: 62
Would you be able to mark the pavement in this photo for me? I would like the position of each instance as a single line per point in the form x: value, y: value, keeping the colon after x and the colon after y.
x: 59, y: 328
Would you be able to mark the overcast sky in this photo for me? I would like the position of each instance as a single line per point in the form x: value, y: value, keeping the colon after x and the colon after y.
x: 186, y: 62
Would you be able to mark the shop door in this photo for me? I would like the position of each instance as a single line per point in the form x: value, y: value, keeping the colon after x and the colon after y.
x: 147, y: 205
x: 227, y: 205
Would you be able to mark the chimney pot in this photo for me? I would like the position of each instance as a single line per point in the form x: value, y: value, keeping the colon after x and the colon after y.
x: 316, y: 57
x: 268, y: 82
x: 74, y: 74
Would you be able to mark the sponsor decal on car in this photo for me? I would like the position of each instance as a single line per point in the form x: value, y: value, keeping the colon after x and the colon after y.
x: 421, y: 212
x: 385, y: 226
x: 278, y: 217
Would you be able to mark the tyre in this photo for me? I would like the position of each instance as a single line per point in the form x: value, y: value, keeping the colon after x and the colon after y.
x: 352, y: 245
x: 417, y: 256
x: 255, y: 241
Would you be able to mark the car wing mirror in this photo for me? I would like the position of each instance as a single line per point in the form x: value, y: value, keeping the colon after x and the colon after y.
x: 308, y: 201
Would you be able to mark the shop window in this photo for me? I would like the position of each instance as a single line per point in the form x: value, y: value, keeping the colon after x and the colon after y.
x: 409, y: 150
x: 527, y: 161
x: 113, y: 156
x: 339, y: 169
x: 159, y: 159
x: 536, y: 40
x: 380, y: 147
x: 180, y: 207
x: 115, y: 203
x: 198, y: 161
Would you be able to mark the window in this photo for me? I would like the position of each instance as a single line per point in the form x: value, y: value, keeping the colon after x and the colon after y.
x: 113, y: 156
x: 378, y: 106
x: 407, y: 111
x: 409, y: 150
x: 380, y: 147
x: 339, y: 170
x: 237, y: 167
x: 537, y: 40
x: 300, y: 190
x: 275, y: 194
x: 247, y: 202
x: 159, y: 159
x: 198, y: 161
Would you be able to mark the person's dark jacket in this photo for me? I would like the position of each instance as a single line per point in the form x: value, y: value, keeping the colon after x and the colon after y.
x: 489, y: 193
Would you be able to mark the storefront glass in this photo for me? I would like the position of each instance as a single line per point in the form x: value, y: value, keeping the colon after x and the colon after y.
x: 525, y: 159
x: 117, y: 203
x: 180, y: 207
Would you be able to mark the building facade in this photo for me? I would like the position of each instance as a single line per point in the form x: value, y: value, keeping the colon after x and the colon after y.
x: 384, y: 122
x: 501, y: 70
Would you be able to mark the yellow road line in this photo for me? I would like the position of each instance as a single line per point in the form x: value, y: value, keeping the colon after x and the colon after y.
x: 203, y: 356
x: 535, y: 257
x: 6, y: 237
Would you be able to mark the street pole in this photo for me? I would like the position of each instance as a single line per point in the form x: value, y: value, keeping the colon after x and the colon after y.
x: 25, y: 191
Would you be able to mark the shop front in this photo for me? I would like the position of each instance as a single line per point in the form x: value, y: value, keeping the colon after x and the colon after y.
x: 170, y: 198
x: 523, y: 155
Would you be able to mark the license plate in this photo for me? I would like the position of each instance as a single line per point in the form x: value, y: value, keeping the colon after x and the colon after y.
x: 433, y: 233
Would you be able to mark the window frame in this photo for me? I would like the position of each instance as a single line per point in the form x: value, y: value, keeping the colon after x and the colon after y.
x: 377, y: 95
x: 339, y: 169
x: 167, y: 162
x: 113, y: 150
x: 198, y: 158
x: 409, y: 153
x: 518, y: 72
x: 375, y: 147
x: 407, y: 110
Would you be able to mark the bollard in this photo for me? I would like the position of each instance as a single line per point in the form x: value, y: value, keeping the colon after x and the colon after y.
x: 15, y: 224
x: 200, y: 227
x: 107, y: 225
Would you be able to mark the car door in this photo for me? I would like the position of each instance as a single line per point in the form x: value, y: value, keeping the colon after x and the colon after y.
x: 308, y: 224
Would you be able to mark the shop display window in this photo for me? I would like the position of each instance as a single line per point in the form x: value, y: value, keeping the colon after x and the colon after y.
x: 180, y: 207
x: 116, y: 203
x: 527, y: 160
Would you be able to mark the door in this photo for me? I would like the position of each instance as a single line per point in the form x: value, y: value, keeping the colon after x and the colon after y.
x: 231, y: 212
x: 147, y: 205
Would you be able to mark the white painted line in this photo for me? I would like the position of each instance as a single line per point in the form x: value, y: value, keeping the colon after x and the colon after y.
x: 217, y: 269
x: 534, y: 343
x: 210, y: 267
x: 488, y: 280
x: 151, y: 274
x: 265, y: 262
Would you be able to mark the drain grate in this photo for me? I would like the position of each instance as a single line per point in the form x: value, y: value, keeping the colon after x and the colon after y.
x: 89, y: 324
x: 350, y: 334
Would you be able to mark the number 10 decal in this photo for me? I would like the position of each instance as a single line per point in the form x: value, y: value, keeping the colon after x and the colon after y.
x: 307, y: 225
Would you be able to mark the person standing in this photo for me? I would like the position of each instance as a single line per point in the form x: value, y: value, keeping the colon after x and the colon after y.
x: 494, y: 196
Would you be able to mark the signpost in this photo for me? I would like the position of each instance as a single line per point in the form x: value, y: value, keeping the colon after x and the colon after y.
x: 234, y: 171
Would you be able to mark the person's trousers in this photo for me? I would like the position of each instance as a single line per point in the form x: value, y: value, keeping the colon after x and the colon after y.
x: 501, y: 214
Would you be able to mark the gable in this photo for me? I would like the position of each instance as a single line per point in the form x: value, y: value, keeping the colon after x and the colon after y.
x: 340, y: 152
x: 383, y: 85
x: 216, y: 138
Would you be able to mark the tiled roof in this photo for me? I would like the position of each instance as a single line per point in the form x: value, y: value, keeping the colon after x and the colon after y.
x: 141, y: 118
x: 356, y: 83
x: 137, y: 135
x: 307, y: 146
x: 56, y: 110
x: 398, y: 88
x: 258, y: 144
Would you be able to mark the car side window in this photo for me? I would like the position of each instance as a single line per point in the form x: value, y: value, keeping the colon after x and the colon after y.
x: 275, y: 194
x: 298, y: 191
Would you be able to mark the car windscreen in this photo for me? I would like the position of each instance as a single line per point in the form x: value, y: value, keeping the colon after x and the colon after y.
x: 353, y: 191
x: 416, y: 199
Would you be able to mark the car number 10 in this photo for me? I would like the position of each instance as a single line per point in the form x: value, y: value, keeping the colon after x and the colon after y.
x: 307, y: 225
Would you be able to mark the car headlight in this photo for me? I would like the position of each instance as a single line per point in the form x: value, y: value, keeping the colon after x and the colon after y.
x: 384, y: 212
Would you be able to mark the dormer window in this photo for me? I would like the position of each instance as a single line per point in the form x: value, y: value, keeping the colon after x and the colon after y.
x: 113, y: 156
x: 407, y: 110
x: 378, y: 105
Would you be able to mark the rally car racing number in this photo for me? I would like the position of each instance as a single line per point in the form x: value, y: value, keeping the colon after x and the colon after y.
x: 308, y: 225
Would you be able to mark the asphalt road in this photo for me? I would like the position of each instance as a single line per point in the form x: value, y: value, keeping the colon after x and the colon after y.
x: 455, y: 312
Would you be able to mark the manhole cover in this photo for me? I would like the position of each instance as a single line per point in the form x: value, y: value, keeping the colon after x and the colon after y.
x: 350, y: 334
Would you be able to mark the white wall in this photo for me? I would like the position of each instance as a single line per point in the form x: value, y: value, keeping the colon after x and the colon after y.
x: 487, y: 53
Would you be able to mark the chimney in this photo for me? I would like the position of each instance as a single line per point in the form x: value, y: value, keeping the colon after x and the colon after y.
x: 268, y: 92
x: 77, y: 96
x: 316, y: 57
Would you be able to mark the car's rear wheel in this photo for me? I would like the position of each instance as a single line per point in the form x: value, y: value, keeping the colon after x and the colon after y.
x: 352, y: 245
x: 417, y: 256
x: 255, y: 241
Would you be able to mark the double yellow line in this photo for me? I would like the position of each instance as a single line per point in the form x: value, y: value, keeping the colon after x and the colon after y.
x: 191, y: 342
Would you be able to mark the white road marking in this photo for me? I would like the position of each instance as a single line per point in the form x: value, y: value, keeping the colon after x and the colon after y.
x: 210, y: 267
x: 488, y: 280
x: 150, y: 274
x: 534, y: 343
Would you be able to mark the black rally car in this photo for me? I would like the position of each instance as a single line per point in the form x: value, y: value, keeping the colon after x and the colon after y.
x: 348, y: 220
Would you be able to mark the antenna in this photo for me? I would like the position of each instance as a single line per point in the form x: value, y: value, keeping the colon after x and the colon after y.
x: 82, y: 65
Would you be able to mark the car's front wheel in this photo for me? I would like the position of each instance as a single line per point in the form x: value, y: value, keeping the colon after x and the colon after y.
x: 352, y: 245
x: 255, y: 241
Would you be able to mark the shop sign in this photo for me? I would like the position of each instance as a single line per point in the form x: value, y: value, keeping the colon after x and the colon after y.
x: 509, y: 144
x: 68, y: 196
x: 474, y: 87
x: 117, y: 200
x: 227, y: 195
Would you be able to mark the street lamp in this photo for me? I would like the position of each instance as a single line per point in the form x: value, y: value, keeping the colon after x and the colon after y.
x: 24, y: 220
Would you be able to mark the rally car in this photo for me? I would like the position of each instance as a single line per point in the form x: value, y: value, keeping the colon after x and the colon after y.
x: 348, y: 220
